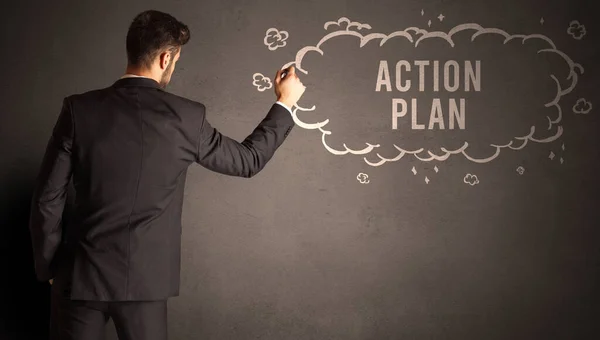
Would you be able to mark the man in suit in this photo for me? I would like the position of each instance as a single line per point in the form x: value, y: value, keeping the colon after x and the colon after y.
x: 126, y: 148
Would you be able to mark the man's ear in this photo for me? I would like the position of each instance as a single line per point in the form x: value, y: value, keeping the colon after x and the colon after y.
x: 165, y: 59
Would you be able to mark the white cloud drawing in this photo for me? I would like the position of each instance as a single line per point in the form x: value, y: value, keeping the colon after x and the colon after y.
x: 576, y: 30
x: 520, y: 170
x: 345, y: 24
x: 471, y: 179
x: 415, y: 36
x: 363, y: 178
x: 275, y: 38
x: 261, y: 82
x: 582, y: 106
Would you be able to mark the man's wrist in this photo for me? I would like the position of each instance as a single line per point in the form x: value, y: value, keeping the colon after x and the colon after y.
x: 286, y: 106
x: 285, y: 102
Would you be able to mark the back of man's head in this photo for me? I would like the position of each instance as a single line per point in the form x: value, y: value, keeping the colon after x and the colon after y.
x: 151, y: 33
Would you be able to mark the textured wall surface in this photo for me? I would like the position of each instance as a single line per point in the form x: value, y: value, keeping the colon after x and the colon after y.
x: 461, y: 205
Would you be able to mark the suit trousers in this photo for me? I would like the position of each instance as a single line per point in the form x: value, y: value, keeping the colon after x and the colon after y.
x: 86, y: 320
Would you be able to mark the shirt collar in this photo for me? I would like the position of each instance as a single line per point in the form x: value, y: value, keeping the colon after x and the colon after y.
x: 135, y: 80
x: 129, y: 75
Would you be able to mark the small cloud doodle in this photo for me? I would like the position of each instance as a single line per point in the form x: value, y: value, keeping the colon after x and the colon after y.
x: 275, y: 38
x: 582, y: 106
x: 343, y: 21
x: 363, y: 178
x: 520, y: 170
x: 471, y: 179
x: 576, y: 30
x: 345, y: 24
x: 261, y: 82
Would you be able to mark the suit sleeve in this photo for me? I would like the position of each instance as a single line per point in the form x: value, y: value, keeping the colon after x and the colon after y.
x: 50, y: 194
x: 225, y: 155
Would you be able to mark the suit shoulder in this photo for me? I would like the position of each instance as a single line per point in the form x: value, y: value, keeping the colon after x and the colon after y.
x: 82, y: 96
x: 184, y: 100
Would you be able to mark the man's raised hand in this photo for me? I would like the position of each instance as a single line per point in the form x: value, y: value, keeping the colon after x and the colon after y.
x: 288, y: 89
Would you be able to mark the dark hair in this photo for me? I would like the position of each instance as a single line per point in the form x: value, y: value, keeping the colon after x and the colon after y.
x: 151, y: 33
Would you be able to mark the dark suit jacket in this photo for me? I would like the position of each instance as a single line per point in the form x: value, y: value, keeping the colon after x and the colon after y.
x: 127, y: 149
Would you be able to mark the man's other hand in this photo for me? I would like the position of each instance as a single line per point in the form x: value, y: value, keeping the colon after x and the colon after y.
x: 288, y: 89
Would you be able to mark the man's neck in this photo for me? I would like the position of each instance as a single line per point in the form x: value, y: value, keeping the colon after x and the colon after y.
x: 137, y: 72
